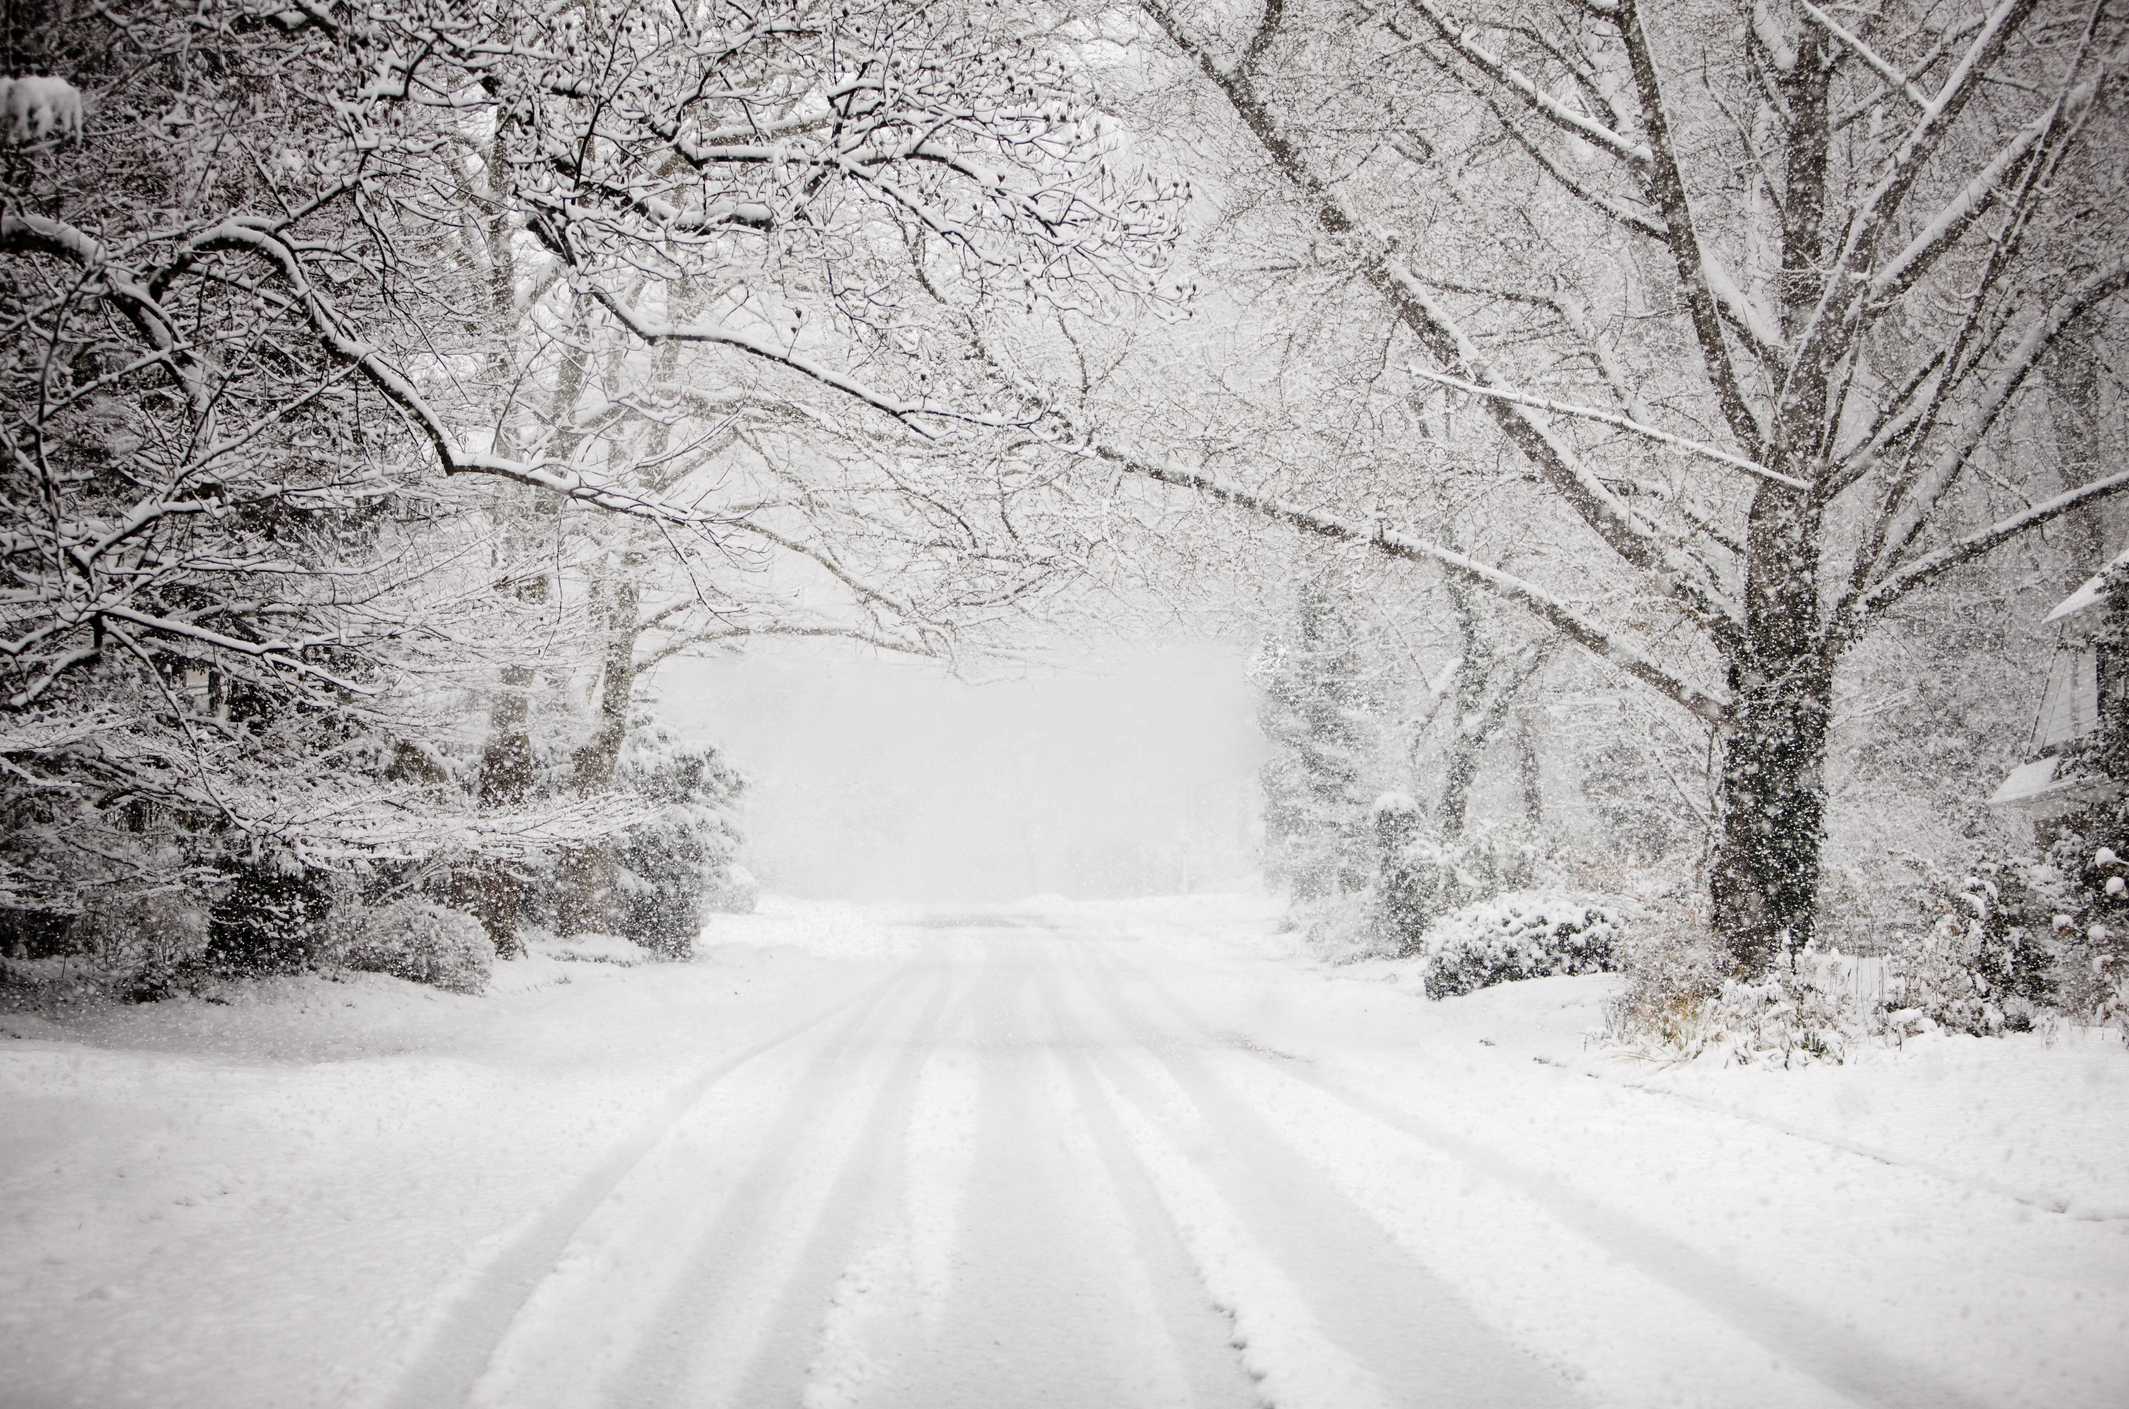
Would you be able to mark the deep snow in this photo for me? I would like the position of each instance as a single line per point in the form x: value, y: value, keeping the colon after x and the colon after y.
x: 1115, y: 1154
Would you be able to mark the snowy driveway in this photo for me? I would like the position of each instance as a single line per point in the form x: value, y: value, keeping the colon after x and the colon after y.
x: 1060, y: 1159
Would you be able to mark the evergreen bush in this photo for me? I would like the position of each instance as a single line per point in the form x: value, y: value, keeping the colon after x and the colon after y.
x: 1988, y: 962
x: 146, y: 946
x: 420, y: 941
x: 1516, y: 937
x: 269, y: 917
x: 668, y: 866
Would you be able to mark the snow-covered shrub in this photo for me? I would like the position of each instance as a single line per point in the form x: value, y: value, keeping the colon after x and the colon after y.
x: 1987, y: 963
x: 667, y: 866
x: 144, y: 946
x: 736, y: 892
x: 35, y: 106
x: 1790, y: 1018
x: 2089, y: 923
x: 420, y: 941
x: 269, y: 917
x: 1672, y: 974
x: 1341, y: 929
x: 1680, y: 1002
x: 1421, y: 875
x: 1518, y: 936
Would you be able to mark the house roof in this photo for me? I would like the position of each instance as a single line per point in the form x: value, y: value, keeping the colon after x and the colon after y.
x: 2045, y: 786
x: 2087, y: 596
x: 2027, y: 781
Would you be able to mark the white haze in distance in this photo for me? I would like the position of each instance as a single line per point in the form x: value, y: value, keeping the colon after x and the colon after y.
x: 1131, y: 770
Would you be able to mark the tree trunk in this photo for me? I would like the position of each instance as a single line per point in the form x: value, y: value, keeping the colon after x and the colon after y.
x: 1772, y: 791
x: 585, y: 880
x: 1467, y: 734
x: 1528, y: 778
x: 1454, y: 812
x: 490, y: 888
x: 2074, y: 406
x: 506, y: 778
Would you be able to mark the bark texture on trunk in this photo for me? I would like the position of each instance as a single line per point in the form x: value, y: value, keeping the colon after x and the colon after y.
x: 2073, y: 370
x: 585, y: 883
x: 1772, y: 790
x: 1529, y: 780
x: 1469, y: 711
x: 490, y: 888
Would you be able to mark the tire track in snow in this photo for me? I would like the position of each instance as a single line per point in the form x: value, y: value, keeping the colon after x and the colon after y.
x: 479, y: 1315
x: 938, y: 1156
x: 1058, y: 1297
x: 578, y: 1330
x: 736, y: 1311
x: 1333, y: 1312
x: 1798, y: 1336
x: 822, y: 1336
x: 1191, y: 1309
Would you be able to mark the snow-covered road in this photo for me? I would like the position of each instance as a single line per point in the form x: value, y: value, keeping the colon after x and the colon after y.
x: 1066, y: 1158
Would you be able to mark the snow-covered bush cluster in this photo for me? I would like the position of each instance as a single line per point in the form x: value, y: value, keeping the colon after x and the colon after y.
x: 1422, y: 875
x: 735, y: 892
x: 1789, y: 1018
x: 1988, y: 963
x: 669, y: 865
x: 2021, y: 944
x: 420, y: 941
x: 145, y: 946
x: 1518, y: 936
x: 1679, y: 1003
x: 1671, y: 974
x: 2084, y: 883
x: 2003, y: 947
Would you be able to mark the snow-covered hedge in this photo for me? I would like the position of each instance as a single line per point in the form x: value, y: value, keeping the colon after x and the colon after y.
x: 736, y: 892
x: 1517, y: 936
x: 142, y: 947
x: 668, y: 866
x: 423, y: 942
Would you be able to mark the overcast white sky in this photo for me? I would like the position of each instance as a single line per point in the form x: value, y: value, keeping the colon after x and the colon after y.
x: 877, y: 777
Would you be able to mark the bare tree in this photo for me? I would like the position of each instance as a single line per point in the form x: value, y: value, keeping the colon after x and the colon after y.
x: 1746, y: 288
x: 298, y: 258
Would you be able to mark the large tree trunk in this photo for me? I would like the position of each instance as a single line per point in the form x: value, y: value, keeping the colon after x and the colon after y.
x: 1772, y: 792
x: 1773, y: 810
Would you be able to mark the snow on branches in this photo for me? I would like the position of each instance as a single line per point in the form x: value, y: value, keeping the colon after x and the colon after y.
x: 36, y: 106
x: 308, y: 255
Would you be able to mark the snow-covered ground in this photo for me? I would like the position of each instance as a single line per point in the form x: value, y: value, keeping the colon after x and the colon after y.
x: 1061, y: 1154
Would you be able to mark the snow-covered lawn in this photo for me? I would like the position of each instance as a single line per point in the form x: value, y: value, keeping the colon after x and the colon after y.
x: 1067, y: 1153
